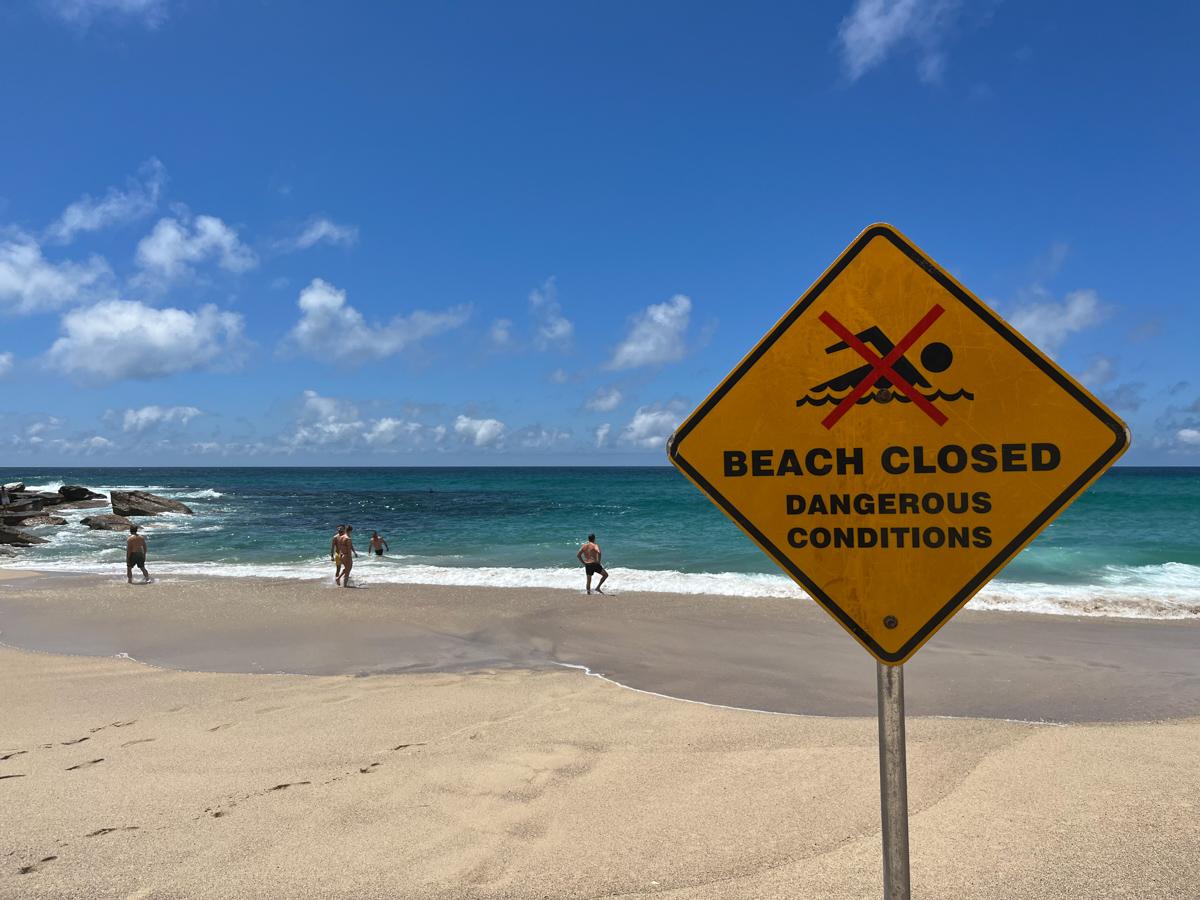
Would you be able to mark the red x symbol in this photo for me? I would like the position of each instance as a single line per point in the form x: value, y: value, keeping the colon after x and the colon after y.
x: 882, y: 366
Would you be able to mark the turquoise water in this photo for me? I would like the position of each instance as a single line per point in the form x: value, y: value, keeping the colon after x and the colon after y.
x: 1129, y: 546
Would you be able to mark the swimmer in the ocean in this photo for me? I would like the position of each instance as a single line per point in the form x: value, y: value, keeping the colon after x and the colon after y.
x: 378, y: 544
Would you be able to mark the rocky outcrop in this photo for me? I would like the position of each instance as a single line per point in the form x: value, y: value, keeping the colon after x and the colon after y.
x: 78, y: 492
x: 14, y: 486
x: 82, y: 504
x: 107, y: 523
x: 142, y: 503
x: 36, y: 519
x: 18, y: 538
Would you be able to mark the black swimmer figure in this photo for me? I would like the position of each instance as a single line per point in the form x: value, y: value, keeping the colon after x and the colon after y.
x: 936, y: 357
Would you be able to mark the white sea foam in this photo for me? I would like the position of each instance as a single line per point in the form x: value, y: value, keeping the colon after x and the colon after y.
x: 50, y: 486
x: 1169, y: 591
x: 205, y: 494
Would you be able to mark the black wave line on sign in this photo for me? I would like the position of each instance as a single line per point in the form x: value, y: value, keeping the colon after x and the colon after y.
x: 960, y: 394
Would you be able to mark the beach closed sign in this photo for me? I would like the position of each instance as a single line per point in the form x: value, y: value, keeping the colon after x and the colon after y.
x: 892, y: 443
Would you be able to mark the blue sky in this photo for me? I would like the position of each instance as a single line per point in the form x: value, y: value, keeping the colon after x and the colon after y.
x: 289, y: 233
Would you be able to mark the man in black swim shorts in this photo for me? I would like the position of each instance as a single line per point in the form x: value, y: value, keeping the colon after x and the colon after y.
x: 135, y: 555
x: 589, y: 554
x: 378, y: 544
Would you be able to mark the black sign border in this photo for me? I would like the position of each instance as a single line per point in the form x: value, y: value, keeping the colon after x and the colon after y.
x: 1120, y: 443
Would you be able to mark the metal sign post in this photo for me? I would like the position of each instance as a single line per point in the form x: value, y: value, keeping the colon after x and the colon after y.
x: 893, y: 781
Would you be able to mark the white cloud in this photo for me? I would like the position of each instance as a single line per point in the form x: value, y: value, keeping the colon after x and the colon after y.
x: 148, y: 416
x: 329, y: 329
x: 127, y: 339
x: 535, y: 437
x: 656, y: 335
x: 1048, y: 323
x: 652, y: 425
x: 42, y: 427
x: 554, y: 330
x: 6, y: 363
x: 30, y: 283
x: 1100, y: 371
x: 603, y: 400
x: 321, y: 229
x: 328, y: 422
x: 601, y: 434
x: 874, y: 29
x: 150, y: 13
x: 480, y: 432
x: 176, y: 243
x: 500, y: 333
x: 140, y: 198
x: 1190, y: 436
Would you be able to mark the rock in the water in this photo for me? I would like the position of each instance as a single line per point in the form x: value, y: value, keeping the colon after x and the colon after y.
x: 49, y: 499
x: 141, y: 503
x: 38, y: 519
x: 14, y: 486
x: 18, y: 538
x: 78, y: 492
x: 107, y: 522
x: 83, y: 504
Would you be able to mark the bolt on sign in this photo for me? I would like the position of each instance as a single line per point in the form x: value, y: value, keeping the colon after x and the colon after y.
x: 892, y: 443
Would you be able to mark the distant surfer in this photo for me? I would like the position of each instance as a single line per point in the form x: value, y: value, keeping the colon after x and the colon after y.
x: 335, y: 553
x: 589, y: 554
x: 378, y: 544
x: 135, y: 555
x: 346, y: 554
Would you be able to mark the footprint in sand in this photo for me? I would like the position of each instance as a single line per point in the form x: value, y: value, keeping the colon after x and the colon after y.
x: 138, y: 741
x: 367, y: 769
x: 2, y: 777
x: 76, y: 741
x: 90, y: 762
x: 222, y: 726
x: 25, y: 870
x: 100, y: 831
x: 284, y: 786
x: 8, y: 756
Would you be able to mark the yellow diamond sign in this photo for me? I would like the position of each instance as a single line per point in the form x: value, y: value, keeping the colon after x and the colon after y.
x: 892, y: 443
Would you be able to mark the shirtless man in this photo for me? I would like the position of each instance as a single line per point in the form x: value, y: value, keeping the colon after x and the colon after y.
x: 378, y: 544
x: 346, y: 554
x: 135, y: 555
x: 589, y: 555
x: 336, y: 555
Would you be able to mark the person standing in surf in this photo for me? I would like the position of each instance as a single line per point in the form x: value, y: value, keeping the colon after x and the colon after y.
x: 589, y: 555
x: 135, y: 555
x: 378, y: 544
x: 335, y: 554
x: 346, y: 554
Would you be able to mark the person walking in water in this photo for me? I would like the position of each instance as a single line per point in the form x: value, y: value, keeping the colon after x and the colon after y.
x: 335, y: 553
x: 135, y: 555
x: 346, y: 553
x: 378, y: 544
x: 589, y: 554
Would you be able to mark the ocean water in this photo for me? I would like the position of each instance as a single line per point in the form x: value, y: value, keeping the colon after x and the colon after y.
x: 1130, y: 547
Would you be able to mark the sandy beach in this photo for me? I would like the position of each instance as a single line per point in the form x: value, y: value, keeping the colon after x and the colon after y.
x: 470, y: 763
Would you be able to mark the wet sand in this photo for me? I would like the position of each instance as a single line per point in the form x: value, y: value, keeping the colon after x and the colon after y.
x: 777, y: 655
x: 462, y: 778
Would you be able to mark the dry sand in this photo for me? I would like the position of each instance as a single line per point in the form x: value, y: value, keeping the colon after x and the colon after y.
x: 134, y: 781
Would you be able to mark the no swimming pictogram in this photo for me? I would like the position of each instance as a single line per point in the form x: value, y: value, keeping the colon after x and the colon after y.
x: 883, y: 368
